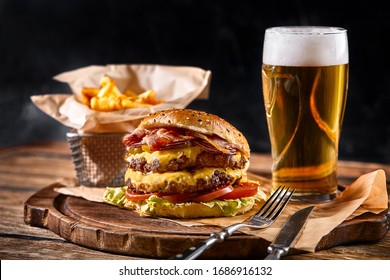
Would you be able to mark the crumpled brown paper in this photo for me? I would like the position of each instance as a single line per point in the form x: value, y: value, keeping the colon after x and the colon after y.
x: 367, y: 194
x: 178, y: 86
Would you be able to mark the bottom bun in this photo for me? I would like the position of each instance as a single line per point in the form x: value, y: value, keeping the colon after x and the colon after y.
x: 190, y: 210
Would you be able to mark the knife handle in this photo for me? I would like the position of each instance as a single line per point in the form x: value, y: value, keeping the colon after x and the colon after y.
x: 274, y: 253
x: 195, y: 251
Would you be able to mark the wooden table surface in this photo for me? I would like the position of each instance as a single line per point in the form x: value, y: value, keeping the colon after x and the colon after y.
x: 26, y: 169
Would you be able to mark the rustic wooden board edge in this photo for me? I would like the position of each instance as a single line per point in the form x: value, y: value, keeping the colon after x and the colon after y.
x: 42, y: 210
x: 368, y: 227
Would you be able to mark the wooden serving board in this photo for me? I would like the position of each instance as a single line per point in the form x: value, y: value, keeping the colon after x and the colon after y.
x: 107, y: 228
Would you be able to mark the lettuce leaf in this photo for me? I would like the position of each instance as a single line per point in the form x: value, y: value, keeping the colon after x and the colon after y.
x: 115, y: 196
x: 229, y: 207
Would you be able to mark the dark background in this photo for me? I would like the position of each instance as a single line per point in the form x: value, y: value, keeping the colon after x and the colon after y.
x: 39, y: 39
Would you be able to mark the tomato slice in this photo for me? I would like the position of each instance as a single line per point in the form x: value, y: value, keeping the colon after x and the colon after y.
x: 133, y: 196
x: 177, y: 198
x: 207, y: 196
x: 245, y: 189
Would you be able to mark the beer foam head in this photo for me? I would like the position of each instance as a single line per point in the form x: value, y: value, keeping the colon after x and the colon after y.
x: 305, y: 46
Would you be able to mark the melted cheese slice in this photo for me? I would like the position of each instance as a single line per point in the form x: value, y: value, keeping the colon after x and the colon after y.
x: 180, y: 177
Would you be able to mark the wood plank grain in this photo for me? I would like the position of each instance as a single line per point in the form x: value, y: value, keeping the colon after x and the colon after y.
x: 52, y: 147
x: 29, y: 248
x: 363, y: 251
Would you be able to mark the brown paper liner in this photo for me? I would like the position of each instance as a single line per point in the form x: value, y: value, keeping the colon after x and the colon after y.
x: 177, y: 86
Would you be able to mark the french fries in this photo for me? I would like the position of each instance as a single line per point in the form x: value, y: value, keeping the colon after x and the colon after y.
x: 109, y: 98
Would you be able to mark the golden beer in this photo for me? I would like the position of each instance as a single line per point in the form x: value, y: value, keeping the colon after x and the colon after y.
x: 304, y: 109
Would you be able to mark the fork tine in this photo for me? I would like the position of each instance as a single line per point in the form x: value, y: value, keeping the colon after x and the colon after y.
x: 276, y: 203
x: 282, y: 204
x: 270, y: 202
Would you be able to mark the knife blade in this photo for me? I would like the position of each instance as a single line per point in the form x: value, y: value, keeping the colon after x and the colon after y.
x: 291, y: 228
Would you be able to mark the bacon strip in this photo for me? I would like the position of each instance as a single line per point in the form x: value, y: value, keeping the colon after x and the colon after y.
x: 158, y: 139
x: 163, y: 139
x: 135, y: 138
x: 214, y: 143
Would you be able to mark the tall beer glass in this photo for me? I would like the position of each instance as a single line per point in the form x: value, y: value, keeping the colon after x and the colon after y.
x: 305, y: 82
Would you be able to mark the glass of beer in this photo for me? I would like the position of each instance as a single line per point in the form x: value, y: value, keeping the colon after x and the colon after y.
x: 305, y: 83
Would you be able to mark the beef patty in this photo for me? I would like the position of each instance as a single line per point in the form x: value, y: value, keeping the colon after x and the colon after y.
x: 214, y: 180
x: 204, y: 159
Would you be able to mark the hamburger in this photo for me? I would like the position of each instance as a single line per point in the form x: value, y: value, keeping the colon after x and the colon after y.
x: 186, y: 163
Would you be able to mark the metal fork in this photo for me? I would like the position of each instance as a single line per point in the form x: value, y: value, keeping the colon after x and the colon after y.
x: 263, y: 218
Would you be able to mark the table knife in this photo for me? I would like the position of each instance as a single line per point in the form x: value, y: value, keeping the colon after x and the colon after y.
x: 281, y: 245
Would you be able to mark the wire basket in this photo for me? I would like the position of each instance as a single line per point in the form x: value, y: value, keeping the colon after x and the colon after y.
x: 98, y: 158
